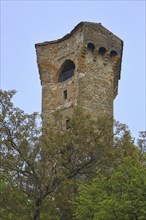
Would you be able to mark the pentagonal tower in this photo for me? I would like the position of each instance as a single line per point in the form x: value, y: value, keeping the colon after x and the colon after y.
x: 82, y: 68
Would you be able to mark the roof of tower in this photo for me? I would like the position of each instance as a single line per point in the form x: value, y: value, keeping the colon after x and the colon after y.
x: 82, y: 24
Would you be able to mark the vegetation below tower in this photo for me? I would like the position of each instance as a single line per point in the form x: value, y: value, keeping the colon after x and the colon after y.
x: 83, y: 171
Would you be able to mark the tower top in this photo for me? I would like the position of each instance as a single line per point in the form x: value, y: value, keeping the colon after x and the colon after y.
x: 98, y: 27
x: 83, y: 34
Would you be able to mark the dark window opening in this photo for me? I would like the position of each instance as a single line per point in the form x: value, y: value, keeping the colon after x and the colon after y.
x: 91, y: 47
x: 68, y: 125
x: 66, y: 71
x: 113, y: 53
x: 65, y: 94
x: 102, y: 51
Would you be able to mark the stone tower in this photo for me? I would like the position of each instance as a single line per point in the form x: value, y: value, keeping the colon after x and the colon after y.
x: 82, y: 68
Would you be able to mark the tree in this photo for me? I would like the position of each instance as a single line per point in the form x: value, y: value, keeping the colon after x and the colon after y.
x: 118, y: 196
x: 44, y: 166
x: 37, y: 163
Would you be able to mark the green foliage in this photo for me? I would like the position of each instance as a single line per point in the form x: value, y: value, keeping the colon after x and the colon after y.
x: 118, y: 196
x: 41, y: 169
x: 14, y: 204
x: 38, y: 164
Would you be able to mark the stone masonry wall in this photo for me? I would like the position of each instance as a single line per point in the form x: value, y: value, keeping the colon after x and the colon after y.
x: 97, y: 54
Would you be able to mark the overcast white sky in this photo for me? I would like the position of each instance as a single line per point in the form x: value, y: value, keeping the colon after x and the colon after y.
x: 24, y: 23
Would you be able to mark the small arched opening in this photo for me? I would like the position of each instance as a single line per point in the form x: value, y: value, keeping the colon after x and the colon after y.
x: 102, y: 51
x: 66, y: 70
x: 91, y: 47
x: 113, y: 53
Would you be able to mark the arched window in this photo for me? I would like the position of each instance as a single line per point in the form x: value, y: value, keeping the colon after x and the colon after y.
x: 102, y: 51
x: 113, y: 53
x: 66, y: 71
x: 91, y: 47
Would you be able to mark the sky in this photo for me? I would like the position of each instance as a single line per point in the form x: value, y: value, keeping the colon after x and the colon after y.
x: 24, y: 23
